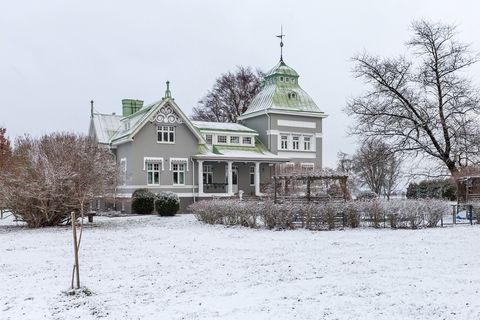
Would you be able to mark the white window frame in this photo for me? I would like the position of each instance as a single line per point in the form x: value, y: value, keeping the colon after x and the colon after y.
x: 207, y: 172
x: 305, y: 143
x: 231, y: 138
x: 162, y: 129
x: 296, y: 142
x: 176, y: 169
x: 153, y: 171
x: 222, y: 135
x: 247, y: 137
x: 284, y: 142
x: 152, y: 159
x: 178, y: 160
x: 209, y: 137
x: 296, y: 145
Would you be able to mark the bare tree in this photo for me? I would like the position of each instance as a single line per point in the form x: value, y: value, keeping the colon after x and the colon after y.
x: 63, y: 171
x: 423, y: 105
x: 230, y: 96
x: 377, y: 167
x: 5, y: 149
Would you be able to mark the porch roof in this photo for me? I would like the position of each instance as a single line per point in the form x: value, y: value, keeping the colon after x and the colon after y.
x: 257, y: 153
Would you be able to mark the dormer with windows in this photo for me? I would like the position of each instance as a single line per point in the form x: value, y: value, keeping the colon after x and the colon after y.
x: 226, y: 134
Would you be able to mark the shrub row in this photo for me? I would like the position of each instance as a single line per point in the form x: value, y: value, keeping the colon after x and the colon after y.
x: 318, y: 216
x: 145, y: 202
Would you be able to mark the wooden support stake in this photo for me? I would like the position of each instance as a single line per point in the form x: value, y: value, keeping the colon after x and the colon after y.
x: 75, y: 248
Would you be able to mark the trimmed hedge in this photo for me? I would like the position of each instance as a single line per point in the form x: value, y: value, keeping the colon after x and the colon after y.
x: 167, y: 203
x: 143, y: 201
x: 322, y: 216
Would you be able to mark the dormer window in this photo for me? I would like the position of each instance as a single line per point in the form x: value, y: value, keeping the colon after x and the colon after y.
x: 281, y: 79
x: 247, y: 140
x: 221, y: 139
x: 209, y: 139
x: 292, y: 95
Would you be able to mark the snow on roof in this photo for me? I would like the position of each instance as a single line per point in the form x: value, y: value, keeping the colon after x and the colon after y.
x: 279, y: 94
x: 221, y: 126
x: 106, y: 125
x: 259, y: 152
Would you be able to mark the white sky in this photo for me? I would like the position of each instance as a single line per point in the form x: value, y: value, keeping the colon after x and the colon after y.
x: 58, y: 55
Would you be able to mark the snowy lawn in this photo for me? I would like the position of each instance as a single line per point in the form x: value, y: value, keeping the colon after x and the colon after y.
x: 150, y: 267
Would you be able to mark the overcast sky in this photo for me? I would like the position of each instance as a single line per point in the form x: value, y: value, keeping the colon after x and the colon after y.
x: 58, y: 55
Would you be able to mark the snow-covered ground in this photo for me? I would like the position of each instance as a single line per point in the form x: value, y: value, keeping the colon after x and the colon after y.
x: 150, y: 267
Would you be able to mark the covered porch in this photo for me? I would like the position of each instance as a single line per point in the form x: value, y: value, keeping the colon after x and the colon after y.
x: 229, y: 177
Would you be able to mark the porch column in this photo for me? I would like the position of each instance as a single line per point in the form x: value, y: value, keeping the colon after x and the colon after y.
x: 257, y: 178
x: 200, y: 177
x: 230, y: 178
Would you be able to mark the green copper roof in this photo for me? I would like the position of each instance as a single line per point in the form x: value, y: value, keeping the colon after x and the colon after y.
x: 281, y: 91
x: 282, y: 69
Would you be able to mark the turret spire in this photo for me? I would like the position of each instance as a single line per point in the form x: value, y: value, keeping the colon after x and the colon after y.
x: 281, y: 35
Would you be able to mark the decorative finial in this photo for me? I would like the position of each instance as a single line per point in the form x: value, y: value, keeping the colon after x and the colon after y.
x: 281, y: 35
x: 91, y: 108
x: 168, y: 94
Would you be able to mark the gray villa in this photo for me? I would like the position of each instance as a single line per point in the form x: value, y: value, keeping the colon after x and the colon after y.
x: 158, y: 147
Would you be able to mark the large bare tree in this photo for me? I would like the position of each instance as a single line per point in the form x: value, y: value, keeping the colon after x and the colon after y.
x: 423, y: 103
x: 230, y: 96
x: 377, y: 167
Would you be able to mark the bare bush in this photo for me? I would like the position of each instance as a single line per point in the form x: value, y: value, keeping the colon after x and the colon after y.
x: 321, y: 216
x: 54, y: 175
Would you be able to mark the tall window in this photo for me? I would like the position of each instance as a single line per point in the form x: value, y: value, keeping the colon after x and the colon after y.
x: 295, y: 142
x: 209, y: 138
x: 252, y: 175
x: 284, y: 142
x: 235, y: 139
x: 247, y: 140
x: 207, y: 174
x: 166, y: 134
x: 178, y: 173
x: 222, y: 139
x: 153, y: 173
x: 307, y: 143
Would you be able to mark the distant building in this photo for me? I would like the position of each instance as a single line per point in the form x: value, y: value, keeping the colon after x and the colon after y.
x: 159, y: 148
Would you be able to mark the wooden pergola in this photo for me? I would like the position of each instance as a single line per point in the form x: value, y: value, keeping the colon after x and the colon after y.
x: 285, y: 184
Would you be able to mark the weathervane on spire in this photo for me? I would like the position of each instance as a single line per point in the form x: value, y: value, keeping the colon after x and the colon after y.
x: 281, y: 35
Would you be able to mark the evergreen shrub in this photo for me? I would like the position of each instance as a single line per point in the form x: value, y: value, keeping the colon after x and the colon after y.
x: 167, y: 203
x: 143, y: 201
